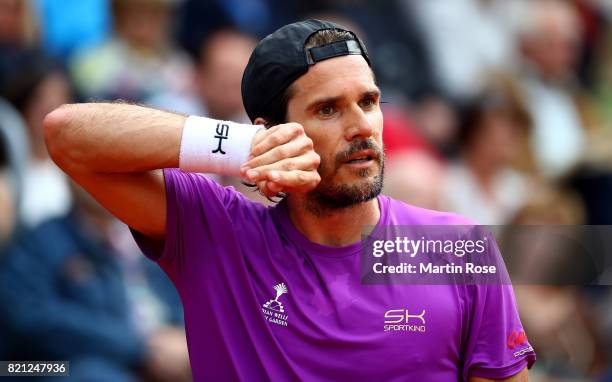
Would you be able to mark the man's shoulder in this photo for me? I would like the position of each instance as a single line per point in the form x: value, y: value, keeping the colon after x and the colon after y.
x: 401, y: 213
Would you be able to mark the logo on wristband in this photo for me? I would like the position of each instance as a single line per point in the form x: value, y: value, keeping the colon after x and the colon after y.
x: 222, y: 133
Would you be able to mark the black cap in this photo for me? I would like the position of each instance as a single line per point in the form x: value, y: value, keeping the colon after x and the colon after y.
x: 280, y: 58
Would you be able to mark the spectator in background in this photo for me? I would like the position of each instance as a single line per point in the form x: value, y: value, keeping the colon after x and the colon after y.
x: 76, y: 288
x: 223, y: 57
x: 550, y: 39
x: 482, y: 184
x: 139, y: 60
x: 8, y: 197
x: 467, y: 39
x: 35, y: 85
x: 7, y: 221
x: 13, y: 132
x: 198, y: 19
x: 13, y: 151
x: 414, y: 170
x: 219, y: 65
x: 18, y: 26
x: 563, y: 326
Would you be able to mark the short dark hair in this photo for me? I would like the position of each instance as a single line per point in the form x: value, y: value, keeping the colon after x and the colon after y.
x: 22, y: 70
x: 203, y: 53
x: 277, y: 111
x: 493, y: 99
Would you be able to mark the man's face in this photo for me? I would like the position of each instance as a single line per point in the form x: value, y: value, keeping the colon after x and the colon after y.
x: 337, y: 102
x: 555, y: 47
x: 220, y: 74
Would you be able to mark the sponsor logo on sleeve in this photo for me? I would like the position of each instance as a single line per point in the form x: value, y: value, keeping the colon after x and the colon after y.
x: 516, y: 339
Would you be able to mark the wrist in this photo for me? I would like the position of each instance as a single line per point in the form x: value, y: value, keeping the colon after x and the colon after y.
x: 213, y: 146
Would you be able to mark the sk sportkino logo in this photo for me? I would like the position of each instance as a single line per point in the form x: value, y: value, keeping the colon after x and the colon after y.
x: 273, y: 310
x: 400, y: 320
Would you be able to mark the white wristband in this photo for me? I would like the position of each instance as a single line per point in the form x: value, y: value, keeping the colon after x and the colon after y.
x: 213, y: 146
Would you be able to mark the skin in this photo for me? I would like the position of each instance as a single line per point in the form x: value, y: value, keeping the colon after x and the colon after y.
x: 116, y: 151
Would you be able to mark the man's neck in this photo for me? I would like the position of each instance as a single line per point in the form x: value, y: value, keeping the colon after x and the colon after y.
x: 335, y: 228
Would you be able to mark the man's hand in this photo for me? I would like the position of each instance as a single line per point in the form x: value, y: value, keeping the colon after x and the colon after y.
x: 282, y: 160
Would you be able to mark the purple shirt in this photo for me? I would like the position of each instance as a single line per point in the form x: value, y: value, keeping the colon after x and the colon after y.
x: 262, y: 302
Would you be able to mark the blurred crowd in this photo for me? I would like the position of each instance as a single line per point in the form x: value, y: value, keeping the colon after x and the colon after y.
x: 500, y: 110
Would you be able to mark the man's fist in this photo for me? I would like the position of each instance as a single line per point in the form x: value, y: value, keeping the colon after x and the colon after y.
x: 282, y: 160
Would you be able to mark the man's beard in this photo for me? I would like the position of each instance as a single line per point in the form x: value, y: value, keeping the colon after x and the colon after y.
x: 329, y: 197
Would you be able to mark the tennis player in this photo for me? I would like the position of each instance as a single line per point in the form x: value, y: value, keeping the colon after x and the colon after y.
x: 274, y: 293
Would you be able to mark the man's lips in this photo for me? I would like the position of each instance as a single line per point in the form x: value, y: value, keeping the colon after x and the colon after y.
x: 362, y: 156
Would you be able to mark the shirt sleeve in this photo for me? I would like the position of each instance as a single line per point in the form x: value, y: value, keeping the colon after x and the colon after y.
x: 197, y: 208
x: 496, y: 344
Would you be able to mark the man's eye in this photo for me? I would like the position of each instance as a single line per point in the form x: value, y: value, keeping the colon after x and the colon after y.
x: 326, y: 110
x: 368, y: 102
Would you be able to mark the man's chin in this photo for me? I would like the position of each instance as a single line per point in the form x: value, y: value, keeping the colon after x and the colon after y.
x: 339, y: 195
x: 351, y: 175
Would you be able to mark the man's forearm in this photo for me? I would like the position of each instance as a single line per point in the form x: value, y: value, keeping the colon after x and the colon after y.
x: 115, y: 151
x: 113, y: 138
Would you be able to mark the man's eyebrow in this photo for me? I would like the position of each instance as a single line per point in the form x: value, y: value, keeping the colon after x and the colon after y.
x: 371, y: 93
x: 323, y: 101
x: 375, y: 92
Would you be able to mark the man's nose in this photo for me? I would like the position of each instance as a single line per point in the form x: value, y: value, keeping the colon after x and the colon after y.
x: 357, y: 124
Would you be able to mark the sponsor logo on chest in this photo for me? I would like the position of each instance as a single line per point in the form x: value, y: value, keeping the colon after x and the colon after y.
x: 274, y: 310
x: 400, y: 320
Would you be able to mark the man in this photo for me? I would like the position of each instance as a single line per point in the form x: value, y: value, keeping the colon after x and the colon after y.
x: 34, y: 85
x: 13, y: 154
x: 550, y: 44
x: 275, y: 293
x: 137, y: 61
